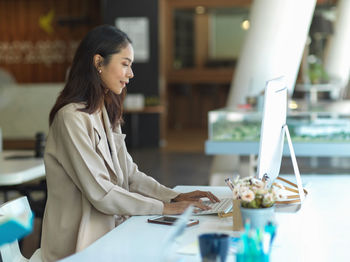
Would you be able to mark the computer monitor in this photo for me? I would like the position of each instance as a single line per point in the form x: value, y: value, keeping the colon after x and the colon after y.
x: 272, y: 134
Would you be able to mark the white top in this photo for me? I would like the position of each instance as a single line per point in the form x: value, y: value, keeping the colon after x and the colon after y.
x: 318, y: 232
x: 20, y: 170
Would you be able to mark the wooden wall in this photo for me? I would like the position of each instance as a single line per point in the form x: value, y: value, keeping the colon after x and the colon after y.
x: 38, y: 38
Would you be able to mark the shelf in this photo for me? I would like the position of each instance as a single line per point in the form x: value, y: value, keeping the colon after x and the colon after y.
x: 208, y: 3
x: 201, y: 76
x: 146, y: 110
x: 325, y: 87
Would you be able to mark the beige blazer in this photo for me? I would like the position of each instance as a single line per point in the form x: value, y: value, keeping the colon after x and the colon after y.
x: 91, y: 187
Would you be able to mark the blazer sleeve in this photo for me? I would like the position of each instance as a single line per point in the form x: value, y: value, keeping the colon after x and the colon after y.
x: 77, y: 155
x: 146, y: 185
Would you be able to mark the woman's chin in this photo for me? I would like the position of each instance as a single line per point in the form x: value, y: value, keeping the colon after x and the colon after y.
x: 117, y: 91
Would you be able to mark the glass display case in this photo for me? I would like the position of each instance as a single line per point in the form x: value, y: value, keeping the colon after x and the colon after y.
x: 312, y: 126
x: 322, y: 130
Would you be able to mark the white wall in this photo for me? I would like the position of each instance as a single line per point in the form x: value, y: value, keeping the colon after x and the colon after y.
x: 25, y: 108
x: 273, y: 46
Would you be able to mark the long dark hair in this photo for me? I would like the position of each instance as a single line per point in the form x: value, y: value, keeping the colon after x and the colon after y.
x: 84, y: 84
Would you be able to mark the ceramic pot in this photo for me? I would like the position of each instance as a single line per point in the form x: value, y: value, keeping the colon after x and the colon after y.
x: 258, y: 217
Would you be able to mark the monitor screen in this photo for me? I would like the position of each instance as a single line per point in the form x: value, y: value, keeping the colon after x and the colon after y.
x: 271, y: 134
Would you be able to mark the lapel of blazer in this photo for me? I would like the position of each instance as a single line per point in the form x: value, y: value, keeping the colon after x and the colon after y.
x: 115, y: 141
x: 102, y: 147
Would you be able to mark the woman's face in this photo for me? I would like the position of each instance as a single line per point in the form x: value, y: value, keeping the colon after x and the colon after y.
x: 116, y: 74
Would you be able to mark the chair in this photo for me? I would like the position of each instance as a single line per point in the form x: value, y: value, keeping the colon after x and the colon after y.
x: 18, y: 209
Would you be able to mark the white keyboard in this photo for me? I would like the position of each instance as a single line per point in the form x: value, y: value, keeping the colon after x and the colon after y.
x: 225, y: 205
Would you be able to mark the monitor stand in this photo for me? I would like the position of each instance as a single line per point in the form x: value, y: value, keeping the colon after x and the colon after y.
x: 285, y: 130
x: 295, y: 204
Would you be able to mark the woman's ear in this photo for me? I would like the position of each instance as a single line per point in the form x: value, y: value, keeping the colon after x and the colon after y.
x: 98, y: 59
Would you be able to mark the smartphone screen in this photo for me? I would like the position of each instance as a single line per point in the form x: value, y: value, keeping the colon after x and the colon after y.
x: 168, y: 220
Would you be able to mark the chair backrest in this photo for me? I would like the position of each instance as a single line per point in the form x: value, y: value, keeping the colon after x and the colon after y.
x: 15, y: 207
x: 10, y: 252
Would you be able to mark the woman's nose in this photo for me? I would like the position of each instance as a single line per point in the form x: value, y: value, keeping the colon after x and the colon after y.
x: 130, y: 74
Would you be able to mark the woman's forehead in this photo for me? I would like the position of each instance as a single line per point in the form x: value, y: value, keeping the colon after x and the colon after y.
x: 127, y: 52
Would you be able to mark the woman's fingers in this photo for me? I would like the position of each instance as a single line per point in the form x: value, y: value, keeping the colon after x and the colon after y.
x: 200, y: 205
x: 195, y: 196
x: 209, y: 195
x: 212, y: 197
x: 199, y: 194
x: 176, y: 208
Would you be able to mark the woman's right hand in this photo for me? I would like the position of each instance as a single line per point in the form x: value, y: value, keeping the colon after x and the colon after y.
x: 176, y: 208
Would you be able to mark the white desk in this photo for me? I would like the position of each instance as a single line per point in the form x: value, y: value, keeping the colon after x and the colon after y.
x: 21, y: 170
x: 318, y: 232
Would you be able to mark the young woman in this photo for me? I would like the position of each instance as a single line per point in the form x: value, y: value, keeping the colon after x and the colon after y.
x: 93, y: 183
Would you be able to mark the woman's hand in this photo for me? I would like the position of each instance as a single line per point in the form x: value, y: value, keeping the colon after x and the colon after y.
x: 195, y: 196
x: 180, y: 203
x: 176, y: 208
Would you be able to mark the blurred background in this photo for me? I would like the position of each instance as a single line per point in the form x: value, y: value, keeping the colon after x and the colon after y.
x: 186, y: 57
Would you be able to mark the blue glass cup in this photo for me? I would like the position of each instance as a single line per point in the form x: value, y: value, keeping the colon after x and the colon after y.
x: 214, y: 247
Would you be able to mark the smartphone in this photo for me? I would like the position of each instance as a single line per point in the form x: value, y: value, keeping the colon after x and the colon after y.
x: 168, y: 220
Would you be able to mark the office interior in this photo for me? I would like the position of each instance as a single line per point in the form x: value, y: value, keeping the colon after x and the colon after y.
x: 188, y: 56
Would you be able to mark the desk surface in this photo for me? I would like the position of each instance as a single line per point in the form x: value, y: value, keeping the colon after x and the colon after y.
x: 20, y: 170
x: 318, y: 232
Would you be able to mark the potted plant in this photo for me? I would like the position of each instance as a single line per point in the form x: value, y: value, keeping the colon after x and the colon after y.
x: 257, y: 199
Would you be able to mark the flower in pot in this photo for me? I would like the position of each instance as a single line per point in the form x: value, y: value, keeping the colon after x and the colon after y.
x: 257, y: 199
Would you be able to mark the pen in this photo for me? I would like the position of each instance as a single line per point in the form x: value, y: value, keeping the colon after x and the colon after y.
x: 270, y: 228
x: 266, y: 243
x: 229, y: 183
x: 265, y: 178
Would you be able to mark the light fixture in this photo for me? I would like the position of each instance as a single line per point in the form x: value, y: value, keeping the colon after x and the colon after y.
x: 245, y: 24
x: 200, y: 10
x: 293, y: 105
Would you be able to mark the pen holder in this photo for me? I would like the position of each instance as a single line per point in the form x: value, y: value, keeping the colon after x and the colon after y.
x: 241, y: 257
x: 254, y: 245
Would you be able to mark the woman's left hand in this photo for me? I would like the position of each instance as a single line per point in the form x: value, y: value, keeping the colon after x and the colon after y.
x: 195, y: 196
